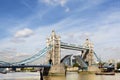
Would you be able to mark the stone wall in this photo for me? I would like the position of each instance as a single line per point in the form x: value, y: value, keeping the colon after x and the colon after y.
x: 58, y: 69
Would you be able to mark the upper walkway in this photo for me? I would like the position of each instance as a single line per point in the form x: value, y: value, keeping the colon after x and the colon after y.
x: 72, y: 46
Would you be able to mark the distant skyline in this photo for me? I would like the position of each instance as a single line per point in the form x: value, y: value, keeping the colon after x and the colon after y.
x: 25, y: 25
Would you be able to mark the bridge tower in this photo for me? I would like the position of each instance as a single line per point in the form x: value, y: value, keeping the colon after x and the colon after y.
x: 54, y: 56
x: 89, y: 58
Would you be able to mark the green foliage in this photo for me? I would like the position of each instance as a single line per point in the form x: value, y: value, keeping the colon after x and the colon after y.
x: 76, y: 65
x: 118, y: 65
x: 66, y: 66
x: 100, y: 64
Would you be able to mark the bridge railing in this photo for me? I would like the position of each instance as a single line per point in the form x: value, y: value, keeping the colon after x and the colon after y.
x: 36, y: 56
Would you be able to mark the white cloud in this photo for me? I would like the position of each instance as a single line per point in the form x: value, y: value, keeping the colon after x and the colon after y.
x: 55, y: 2
x: 16, y: 40
x: 62, y: 3
x: 67, y: 9
x: 23, y: 33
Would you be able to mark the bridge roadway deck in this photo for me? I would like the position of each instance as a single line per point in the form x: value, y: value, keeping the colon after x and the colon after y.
x: 22, y: 66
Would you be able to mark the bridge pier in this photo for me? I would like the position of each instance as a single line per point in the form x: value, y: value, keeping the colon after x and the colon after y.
x: 58, y: 69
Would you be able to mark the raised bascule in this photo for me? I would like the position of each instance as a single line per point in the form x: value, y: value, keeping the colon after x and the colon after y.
x: 53, y: 56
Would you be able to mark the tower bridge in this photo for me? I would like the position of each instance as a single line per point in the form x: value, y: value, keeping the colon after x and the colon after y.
x: 53, y: 54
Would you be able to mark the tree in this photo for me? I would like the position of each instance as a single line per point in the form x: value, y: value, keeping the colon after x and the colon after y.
x: 76, y: 65
x: 118, y: 65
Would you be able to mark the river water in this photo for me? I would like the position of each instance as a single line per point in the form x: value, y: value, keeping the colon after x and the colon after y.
x: 69, y: 76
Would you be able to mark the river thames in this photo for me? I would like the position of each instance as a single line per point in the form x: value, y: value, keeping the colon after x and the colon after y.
x: 69, y: 76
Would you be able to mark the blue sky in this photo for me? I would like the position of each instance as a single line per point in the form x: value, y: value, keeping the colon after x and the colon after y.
x: 25, y: 25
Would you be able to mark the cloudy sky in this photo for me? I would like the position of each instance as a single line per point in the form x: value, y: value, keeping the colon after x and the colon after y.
x: 25, y: 25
